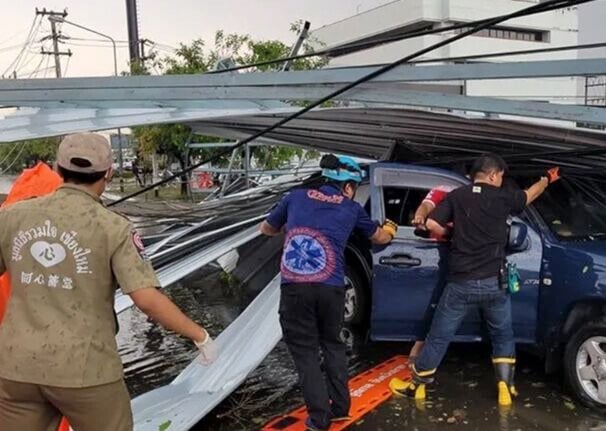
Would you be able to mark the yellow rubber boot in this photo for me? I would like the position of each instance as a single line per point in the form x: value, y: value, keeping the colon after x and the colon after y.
x: 504, y: 370
x: 408, y: 388
x: 504, y: 394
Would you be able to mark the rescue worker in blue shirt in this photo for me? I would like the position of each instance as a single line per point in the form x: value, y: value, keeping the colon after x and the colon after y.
x: 317, y: 224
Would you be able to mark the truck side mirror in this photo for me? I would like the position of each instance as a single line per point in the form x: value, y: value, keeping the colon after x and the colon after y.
x: 518, y: 238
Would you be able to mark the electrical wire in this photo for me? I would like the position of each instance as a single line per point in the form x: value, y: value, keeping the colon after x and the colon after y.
x: 22, y: 66
x: 9, y: 153
x: 11, y: 48
x: 16, y: 158
x: 33, y: 71
x: 46, y: 66
x: 512, y: 53
x: 168, y: 47
x: 168, y: 51
x: 13, y: 36
x: 472, y: 28
x: 25, y: 44
x: 495, y: 55
x: 37, y: 69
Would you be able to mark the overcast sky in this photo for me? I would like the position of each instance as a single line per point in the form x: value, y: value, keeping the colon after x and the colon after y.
x: 171, y: 22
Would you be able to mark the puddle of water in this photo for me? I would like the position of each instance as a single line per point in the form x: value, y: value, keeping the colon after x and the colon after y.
x: 151, y: 355
x: 463, y: 398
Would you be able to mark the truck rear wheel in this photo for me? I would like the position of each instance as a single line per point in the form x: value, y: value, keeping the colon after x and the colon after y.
x: 585, y: 364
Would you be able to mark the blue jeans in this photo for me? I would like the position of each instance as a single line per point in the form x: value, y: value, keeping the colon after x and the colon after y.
x: 459, y: 298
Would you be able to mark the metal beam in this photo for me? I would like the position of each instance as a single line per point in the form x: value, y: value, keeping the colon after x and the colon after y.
x: 136, y: 87
x: 204, y: 97
x: 60, y: 122
x: 552, y: 111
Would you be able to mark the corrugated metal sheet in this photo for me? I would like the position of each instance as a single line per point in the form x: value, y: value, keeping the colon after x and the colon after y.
x: 415, y: 135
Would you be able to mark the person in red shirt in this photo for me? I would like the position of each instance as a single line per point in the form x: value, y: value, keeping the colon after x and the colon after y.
x: 433, y: 198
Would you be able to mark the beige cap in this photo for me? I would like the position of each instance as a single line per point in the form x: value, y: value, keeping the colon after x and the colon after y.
x: 84, y: 152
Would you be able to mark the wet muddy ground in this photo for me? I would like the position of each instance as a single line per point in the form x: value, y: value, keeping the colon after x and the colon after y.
x: 463, y: 397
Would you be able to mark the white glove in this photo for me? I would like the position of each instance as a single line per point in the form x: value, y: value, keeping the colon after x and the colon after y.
x: 208, y: 350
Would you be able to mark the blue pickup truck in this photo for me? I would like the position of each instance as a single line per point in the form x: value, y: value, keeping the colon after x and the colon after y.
x: 558, y: 246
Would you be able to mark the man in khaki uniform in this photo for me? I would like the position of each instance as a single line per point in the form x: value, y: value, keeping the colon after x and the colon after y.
x: 66, y: 254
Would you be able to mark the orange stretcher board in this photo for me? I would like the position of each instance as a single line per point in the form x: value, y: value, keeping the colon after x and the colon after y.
x: 367, y: 390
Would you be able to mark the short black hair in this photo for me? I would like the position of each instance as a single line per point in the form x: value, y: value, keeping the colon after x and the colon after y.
x: 488, y: 163
x: 80, y: 177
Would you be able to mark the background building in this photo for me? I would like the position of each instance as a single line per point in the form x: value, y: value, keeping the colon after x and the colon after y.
x: 401, y: 17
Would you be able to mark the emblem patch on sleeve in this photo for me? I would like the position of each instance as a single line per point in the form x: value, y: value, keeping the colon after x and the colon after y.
x: 139, y: 246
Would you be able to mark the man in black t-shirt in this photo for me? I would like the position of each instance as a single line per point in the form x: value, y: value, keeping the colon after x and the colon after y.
x: 479, y: 214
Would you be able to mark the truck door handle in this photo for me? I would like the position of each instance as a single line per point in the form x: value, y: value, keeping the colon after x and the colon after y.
x: 402, y: 260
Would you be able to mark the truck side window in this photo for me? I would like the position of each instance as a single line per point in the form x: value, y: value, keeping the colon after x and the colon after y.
x: 575, y: 209
x: 401, y: 203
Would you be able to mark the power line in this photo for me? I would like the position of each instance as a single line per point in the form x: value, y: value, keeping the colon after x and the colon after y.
x: 16, y: 158
x: 25, y: 45
x: 16, y: 67
x: 10, y: 48
x: 33, y: 71
x: 37, y: 69
x: 46, y: 67
x: 512, y: 53
x: 24, y: 64
x: 9, y: 153
x: 13, y: 36
x: 163, y: 45
x: 471, y: 28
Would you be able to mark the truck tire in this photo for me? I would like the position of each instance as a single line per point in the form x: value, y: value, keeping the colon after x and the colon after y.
x: 356, y: 297
x: 585, y: 364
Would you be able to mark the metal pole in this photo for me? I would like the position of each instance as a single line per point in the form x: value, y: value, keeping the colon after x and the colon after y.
x: 56, y: 48
x: 297, y: 46
x: 227, y: 178
x: 111, y: 39
x: 247, y: 164
x: 133, y: 31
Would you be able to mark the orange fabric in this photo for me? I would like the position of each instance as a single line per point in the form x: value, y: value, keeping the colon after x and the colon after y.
x: 37, y: 181
x: 367, y: 391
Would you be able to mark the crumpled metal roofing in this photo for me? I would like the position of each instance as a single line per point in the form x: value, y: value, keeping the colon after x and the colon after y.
x: 58, y: 106
x: 415, y: 135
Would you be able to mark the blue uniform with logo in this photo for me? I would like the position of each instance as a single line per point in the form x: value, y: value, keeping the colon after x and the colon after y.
x: 318, y: 223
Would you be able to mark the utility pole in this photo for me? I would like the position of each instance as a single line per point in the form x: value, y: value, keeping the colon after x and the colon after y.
x: 133, y: 32
x: 55, y: 37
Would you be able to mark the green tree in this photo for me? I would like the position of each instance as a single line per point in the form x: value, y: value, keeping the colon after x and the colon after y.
x: 171, y: 139
x: 22, y: 154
